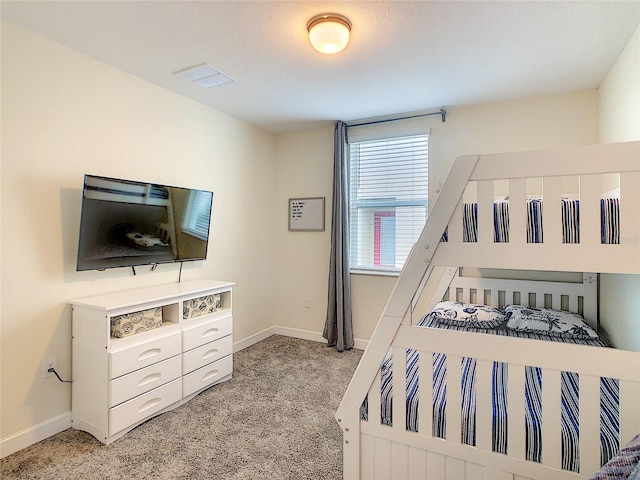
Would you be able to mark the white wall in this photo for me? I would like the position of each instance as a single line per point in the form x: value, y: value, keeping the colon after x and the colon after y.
x: 619, y: 109
x: 64, y: 115
x: 529, y: 124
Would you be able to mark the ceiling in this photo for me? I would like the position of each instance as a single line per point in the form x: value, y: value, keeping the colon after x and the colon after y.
x: 404, y: 56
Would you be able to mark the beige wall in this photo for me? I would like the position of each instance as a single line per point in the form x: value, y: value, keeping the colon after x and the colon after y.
x: 530, y: 124
x: 64, y: 115
x: 619, y: 102
x: 304, y: 169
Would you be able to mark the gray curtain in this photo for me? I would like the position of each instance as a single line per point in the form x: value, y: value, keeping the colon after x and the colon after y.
x: 338, y: 329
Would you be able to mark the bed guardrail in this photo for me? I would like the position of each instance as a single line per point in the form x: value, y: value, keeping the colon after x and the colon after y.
x: 386, y: 450
x: 579, y: 229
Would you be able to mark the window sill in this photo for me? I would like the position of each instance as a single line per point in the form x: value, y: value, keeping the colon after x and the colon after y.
x: 375, y: 273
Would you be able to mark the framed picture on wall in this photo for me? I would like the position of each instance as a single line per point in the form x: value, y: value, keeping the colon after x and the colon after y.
x: 306, y: 214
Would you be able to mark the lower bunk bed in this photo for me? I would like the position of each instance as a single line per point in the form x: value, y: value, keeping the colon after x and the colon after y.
x: 569, y: 392
x: 516, y: 393
x: 477, y: 402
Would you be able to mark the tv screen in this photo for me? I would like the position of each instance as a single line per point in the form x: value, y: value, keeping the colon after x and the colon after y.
x: 126, y: 223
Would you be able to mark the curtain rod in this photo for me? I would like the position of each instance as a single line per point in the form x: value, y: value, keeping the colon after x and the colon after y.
x: 442, y: 113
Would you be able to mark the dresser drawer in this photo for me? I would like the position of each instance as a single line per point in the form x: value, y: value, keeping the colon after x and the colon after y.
x: 207, y: 376
x: 210, y: 352
x: 202, y: 331
x: 136, y: 383
x: 139, y: 356
x: 144, y: 406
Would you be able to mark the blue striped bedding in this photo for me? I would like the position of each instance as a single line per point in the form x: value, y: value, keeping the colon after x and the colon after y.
x: 609, y: 390
x: 609, y: 221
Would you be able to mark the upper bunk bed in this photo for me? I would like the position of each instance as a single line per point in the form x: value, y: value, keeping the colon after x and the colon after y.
x: 587, y: 204
x: 586, y: 173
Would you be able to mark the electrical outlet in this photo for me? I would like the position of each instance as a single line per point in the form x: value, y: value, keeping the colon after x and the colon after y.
x: 307, y: 303
x: 47, y: 363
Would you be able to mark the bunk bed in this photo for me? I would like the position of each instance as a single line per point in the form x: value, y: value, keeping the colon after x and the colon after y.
x: 493, y: 402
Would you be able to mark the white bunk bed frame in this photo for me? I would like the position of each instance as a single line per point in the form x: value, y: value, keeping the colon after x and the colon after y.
x: 373, y: 451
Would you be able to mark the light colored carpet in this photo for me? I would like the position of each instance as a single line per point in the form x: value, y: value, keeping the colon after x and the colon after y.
x: 272, y: 420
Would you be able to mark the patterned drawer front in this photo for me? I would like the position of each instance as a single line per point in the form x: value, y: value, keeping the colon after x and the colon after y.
x: 143, y: 355
x: 207, y: 376
x: 201, y: 333
x: 144, y: 406
x: 143, y: 380
x: 201, y: 356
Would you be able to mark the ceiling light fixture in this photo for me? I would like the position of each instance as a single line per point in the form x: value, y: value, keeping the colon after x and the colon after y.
x: 329, y: 32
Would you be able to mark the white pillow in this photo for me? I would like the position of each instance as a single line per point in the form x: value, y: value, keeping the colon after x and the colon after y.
x: 546, y: 321
x: 468, y: 315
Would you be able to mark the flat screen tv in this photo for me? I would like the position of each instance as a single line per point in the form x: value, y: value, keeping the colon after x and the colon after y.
x: 125, y: 223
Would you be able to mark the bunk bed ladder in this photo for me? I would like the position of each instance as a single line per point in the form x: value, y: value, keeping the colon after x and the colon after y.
x: 397, y: 309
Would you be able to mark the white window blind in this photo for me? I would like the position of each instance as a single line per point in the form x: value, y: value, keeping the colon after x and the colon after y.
x: 388, y: 200
x: 198, y: 214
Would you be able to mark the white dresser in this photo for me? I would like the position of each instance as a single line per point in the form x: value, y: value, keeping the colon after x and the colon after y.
x: 119, y: 383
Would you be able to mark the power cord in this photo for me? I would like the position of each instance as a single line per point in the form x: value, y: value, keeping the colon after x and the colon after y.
x: 53, y: 370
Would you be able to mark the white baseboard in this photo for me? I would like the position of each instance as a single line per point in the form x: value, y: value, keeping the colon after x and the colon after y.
x: 299, y: 333
x: 61, y: 422
x: 255, y: 338
x: 290, y: 332
x: 310, y: 335
x: 34, y: 434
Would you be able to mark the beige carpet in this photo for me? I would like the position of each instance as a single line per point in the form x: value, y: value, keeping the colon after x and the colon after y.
x: 273, y: 420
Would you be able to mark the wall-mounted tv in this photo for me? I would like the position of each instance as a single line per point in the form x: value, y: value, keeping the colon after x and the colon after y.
x: 126, y: 223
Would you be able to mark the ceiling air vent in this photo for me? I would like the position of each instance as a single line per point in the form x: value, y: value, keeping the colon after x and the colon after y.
x: 205, y: 75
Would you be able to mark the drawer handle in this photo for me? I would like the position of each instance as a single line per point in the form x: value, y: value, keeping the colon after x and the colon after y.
x: 210, y: 375
x: 149, y: 379
x: 152, y: 352
x: 210, y: 353
x: 150, y: 404
x: 208, y: 333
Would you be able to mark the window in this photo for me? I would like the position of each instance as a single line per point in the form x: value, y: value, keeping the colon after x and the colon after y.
x: 198, y: 214
x: 388, y: 200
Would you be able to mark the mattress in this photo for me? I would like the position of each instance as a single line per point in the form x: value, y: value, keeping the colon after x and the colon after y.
x: 609, y: 221
x: 609, y: 392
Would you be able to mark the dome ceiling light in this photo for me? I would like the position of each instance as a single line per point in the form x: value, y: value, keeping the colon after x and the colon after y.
x: 329, y: 32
